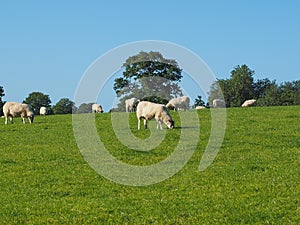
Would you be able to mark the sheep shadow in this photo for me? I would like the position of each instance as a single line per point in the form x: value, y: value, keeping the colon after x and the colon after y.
x: 186, y: 127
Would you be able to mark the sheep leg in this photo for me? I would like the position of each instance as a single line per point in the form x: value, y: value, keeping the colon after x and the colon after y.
x: 23, y: 119
x: 159, y: 125
x: 11, y: 120
x: 139, y: 124
x: 6, y: 119
x: 145, y: 123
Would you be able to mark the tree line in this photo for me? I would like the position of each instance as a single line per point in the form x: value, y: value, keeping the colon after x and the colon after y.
x: 151, y: 77
x: 241, y: 86
x: 36, y: 100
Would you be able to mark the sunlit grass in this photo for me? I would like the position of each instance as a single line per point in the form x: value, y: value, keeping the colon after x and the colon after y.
x: 253, y: 180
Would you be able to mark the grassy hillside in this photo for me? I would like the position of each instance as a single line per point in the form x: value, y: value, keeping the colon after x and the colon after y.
x: 253, y: 180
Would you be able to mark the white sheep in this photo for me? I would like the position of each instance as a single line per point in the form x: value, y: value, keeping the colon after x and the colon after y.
x: 219, y: 103
x: 131, y: 104
x: 179, y: 103
x: 249, y: 103
x: 200, y: 107
x: 96, y: 108
x: 43, y: 111
x: 15, y: 109
x: 148, y: 110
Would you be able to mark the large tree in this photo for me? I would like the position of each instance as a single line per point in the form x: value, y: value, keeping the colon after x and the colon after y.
x: 36, y: 100
x: 237, y: 89
x: 241, y: 85
x: 199, y: 101
x: 149, y: 76
x: 64, y: 106
x: 1, y: 101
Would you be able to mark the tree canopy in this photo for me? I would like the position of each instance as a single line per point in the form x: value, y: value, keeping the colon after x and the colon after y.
x: 235, y: 90
x: 64, y: 106
x: 85, y: 108
x: 199, y: 102
x: 36, y: 100
x: 149, y: 76
x: 241, y: 85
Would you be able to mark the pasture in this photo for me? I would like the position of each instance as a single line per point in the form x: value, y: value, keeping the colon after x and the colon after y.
x: 253, y: 180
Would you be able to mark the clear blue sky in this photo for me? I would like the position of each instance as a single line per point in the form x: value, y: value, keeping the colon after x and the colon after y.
x: 48, y: 45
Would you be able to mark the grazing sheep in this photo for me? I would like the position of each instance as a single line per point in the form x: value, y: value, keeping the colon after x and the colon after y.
x: 43, y: 111
x: 15, y: 109
x: 131, y: 104
x: 179, y: 103
x: 149, y: 110
x: 96, y: 108
x: 200, y: 107
x: 219, y: 103
x: 249, y: 103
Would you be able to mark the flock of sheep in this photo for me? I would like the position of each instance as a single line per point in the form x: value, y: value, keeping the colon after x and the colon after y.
x: 144, y: 110
x: 148, y: 110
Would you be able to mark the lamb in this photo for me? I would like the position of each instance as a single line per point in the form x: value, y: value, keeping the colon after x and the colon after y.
x: 15, y: 109
x: 219, y: 103
x: 43, y: 111
x: 96, y: 108
x: 179, y: 103
x: 149, y: 110
x: 249, y: 103
x: 131, y: 104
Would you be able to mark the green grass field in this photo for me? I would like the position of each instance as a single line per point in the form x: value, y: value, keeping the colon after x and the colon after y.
x: 253, y: 180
